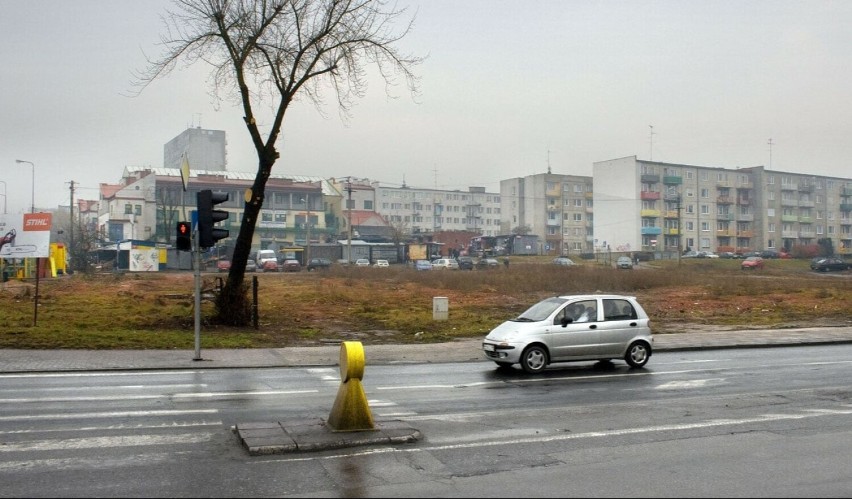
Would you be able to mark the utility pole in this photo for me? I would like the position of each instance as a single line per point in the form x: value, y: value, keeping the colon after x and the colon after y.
x: 679, y: 232
x: 71, y: 225
x: 349, y: 216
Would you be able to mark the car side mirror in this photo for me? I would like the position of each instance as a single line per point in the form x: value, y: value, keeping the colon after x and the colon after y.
x: 565, y: 321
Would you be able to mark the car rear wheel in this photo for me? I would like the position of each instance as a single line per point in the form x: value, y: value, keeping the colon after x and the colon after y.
x: 534, y: 359
x: 638, y: 354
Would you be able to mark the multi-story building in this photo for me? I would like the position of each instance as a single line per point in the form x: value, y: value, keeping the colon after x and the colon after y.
x: 429, y: 211
x: 653, y: 206
x: 557, y: 208
x: 204, y: 149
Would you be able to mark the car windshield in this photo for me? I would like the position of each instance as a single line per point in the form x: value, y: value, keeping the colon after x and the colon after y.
x: 541, y: 310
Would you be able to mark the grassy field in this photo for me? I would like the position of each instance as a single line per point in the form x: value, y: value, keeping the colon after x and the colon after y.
x: 394, y: 305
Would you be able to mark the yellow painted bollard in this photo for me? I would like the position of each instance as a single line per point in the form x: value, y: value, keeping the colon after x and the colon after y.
x: 351, y: 412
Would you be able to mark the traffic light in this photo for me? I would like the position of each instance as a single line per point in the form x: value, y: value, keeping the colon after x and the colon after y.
x: 208, y: 234
x: 184, y: 236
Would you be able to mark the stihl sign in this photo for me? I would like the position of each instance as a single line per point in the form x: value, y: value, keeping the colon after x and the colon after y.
x: 37, y: 221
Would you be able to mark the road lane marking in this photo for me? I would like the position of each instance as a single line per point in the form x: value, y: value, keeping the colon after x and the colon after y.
x: 110, y: 398
x: 106, y: 442
x: 170, y: 425
x: 116, y: 414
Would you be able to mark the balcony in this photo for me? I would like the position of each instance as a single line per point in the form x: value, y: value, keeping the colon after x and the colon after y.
x: 789, y: 187
x: 649, y: 213
x: 845, y: 207
x: 846, y: 191
x: 589, y: 195
x: 806, y: 220
x: 806, y: 203
x: 723, y: 184
x: 649, y: 195
x: 789, y: 218
x: 745, y: 185
x: 789, y: 234
x: 724, y: 233
x: 649, y: 178
x: 673, y: 197
x: 789, y: 202
x: 672, y: 232
x: 553, y: 222
x: 672, y: 180
x: 745, y: 233
x: 846, y: 221
x: 651, y: 231
x: 807, y: 234
x: 724, y: 200
x: 744, y: 201
x: 725, y: 217
x: 590, y: 239
x: 671, y: 214
x: 745, y: 217
x: 806, y: 188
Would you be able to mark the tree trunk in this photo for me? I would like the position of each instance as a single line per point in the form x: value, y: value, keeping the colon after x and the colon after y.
x: 233, y: 307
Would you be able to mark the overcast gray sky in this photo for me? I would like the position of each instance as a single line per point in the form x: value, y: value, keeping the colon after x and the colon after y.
x: 508, y: 87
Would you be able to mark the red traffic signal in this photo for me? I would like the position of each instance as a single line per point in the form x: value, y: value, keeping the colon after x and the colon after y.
x: 184, y: 236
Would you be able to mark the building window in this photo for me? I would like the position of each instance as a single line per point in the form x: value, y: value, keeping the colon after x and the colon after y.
x: 128, y: 209
x: 138, y: 210
x: 578, y: 217
x: 368, y: 205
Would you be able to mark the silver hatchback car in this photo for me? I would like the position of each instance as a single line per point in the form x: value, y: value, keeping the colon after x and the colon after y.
x: 573, y: 328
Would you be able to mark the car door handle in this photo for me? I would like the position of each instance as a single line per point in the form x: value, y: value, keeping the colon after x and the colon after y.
x: 633, y: 324
x: 593, y: 326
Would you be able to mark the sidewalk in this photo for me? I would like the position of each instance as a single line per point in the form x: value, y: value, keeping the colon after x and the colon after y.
x: 313, y: 434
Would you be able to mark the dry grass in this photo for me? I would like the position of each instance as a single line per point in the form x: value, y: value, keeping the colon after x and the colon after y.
x: 395, y: 305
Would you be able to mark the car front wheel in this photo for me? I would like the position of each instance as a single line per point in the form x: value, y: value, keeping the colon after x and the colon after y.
x: 534, y: 359
x: 638, y: 354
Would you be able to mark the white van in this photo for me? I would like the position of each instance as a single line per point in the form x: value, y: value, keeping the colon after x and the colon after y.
x: 266, y: 256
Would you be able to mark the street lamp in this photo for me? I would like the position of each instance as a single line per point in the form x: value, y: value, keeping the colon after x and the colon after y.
x: 5, y: 189
x: 308, y: 235
x: 32, y: 202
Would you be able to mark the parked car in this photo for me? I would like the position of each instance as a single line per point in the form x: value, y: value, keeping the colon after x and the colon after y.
x: 223, y: 265
x: 362, y: 262
x: 445, y: 263
x: 573, y: 328
x: 465, y: 262
x: 269, y: 266
x: 769, y: 254
x: 251, y: 265
x: 487, y: 263
x: 318, y: 264
x: 690, y: 254
x: 729, y: 255
x: 563, y: 261
x: 706, y: 254
x: 829, y: 263
x: 291, y: 265
x: 422, y: 265
x: 624, y: 262
x: 382, y: 263
x: 752, y: 262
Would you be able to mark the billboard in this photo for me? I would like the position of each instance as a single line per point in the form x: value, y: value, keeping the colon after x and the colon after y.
x: 25, y: 236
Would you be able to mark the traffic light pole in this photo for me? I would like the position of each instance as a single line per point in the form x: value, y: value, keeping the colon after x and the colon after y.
x: 197, y: 264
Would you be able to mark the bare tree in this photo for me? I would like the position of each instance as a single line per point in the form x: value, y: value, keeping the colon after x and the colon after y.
x: 281, y: 50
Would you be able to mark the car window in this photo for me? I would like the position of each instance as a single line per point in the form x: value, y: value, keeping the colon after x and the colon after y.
x: 618, y: 310
x: 582, y: 311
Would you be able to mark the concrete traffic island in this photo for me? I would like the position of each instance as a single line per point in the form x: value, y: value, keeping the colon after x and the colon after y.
x: 349, y: 424
x: 314, y: 435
